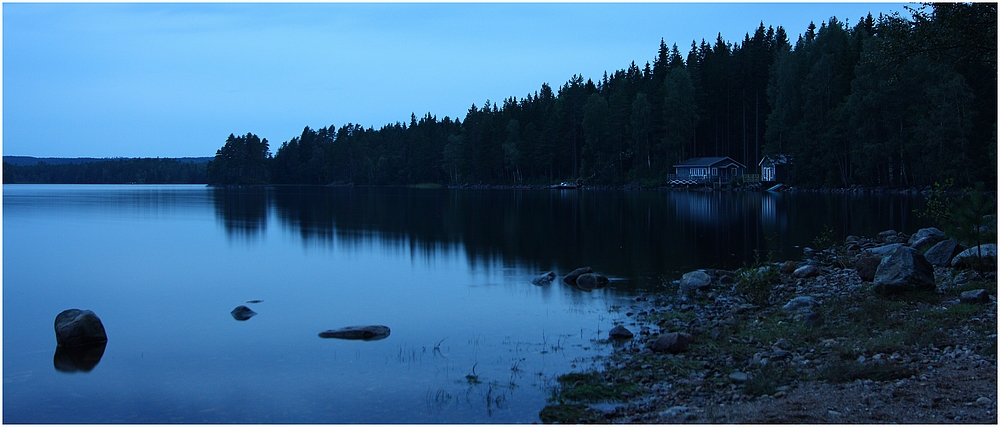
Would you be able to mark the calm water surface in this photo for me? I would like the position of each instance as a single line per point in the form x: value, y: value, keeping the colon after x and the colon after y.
x: 473, y: 341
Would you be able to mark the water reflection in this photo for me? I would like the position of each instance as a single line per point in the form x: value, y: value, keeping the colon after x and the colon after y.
x: 243, y: 211
x: 625, y: 234
x: 81, y: 358
x: 473, y: 340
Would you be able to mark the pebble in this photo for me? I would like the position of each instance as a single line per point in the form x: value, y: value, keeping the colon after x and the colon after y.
x: 799, y: 303
x: 739, y: 377
x: 674, y: 411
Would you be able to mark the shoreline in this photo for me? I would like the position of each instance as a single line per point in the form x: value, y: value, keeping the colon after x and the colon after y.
x: 842, y: 354
x: 832, y: 190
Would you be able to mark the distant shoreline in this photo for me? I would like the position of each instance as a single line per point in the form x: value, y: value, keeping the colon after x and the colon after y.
x: 31, y: 160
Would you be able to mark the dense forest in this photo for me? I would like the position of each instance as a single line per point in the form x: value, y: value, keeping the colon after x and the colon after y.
x: 106, y: 171
x: 887, y: 101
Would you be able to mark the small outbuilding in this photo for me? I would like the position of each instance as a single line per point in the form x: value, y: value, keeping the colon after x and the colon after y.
x: 774, y: 168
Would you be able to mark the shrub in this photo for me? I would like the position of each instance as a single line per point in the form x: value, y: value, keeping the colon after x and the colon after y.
x: 756, y: 282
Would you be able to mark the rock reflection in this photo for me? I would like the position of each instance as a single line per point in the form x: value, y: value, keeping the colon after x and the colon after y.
x: 82, y: 358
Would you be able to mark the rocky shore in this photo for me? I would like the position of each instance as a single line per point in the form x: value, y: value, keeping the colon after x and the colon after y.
x: 821, y: 340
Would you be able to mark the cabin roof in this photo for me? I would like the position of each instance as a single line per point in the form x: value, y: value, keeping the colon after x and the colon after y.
x: 704, y: 162
x: 776, y: 159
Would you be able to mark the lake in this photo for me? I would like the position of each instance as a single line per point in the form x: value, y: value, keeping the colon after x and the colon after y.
x: 448, y: 271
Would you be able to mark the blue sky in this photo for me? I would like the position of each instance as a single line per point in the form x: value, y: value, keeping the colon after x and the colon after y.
x: 174, y: 80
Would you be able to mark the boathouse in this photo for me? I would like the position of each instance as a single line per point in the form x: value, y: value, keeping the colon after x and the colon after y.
x: 774, y: 168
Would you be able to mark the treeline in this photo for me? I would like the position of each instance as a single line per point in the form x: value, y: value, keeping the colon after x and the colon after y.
x: 111, y: 171
x: 885, y: 102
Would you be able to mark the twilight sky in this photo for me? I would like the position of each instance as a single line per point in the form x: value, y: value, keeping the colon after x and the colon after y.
x: 174, y: 80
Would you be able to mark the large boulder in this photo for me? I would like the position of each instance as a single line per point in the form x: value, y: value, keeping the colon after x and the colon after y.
x: 672, y: 342
x: 570, y: 278
x: 694, y: 280
x: 366, y: 333
x: 942, y: 253
x: 924, y: 244
x: 904, y: 270
x: 75, y: 327
x: 885, y: 249
x: 891, y: 236
x: 866, y: 266
x: 931, y: 232
x: 970, y: 257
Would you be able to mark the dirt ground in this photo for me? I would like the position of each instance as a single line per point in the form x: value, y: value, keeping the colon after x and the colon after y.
x: 955, y: 393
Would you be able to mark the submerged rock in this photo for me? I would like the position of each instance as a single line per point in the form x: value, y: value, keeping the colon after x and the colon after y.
x: 76, y: 327
x: 590, y: 281
x: 366, y: 333
x: 570, y: 278
x: 620, y: 333
x: 544, y: 279
x: 242, y: 313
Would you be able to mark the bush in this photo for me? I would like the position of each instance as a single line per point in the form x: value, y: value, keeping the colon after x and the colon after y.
x: 756, y: 282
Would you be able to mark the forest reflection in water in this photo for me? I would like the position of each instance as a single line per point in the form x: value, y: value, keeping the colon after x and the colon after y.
x: 449, y: 271
x: 630, y: 234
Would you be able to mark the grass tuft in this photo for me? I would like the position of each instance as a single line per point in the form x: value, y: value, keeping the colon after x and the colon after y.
x: 567, y: 413
x: 592, y: 388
